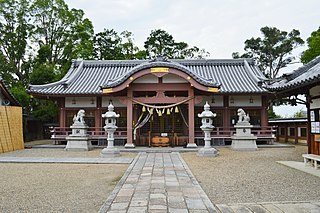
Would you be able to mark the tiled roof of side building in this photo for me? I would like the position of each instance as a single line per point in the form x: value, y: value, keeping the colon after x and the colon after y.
x: 8, y: 94
x: 305, y: 75
x: 88, y: 76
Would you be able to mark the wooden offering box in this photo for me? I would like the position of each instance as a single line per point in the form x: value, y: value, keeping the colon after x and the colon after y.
x: 160, y: 141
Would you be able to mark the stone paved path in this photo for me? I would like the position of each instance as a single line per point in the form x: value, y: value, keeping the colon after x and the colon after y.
x: 158, y: 182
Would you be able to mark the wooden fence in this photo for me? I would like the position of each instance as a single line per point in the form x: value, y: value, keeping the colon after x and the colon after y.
x: 11, y: 132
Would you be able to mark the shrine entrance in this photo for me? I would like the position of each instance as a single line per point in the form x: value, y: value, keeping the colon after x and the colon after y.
x: 165, y: 127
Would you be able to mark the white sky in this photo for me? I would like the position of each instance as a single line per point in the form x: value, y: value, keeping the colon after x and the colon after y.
x: 219, y: 26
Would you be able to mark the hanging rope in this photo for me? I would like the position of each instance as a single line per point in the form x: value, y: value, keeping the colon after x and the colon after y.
x: 139, y: 125
x: 183, y: 118
x: 162, y: 107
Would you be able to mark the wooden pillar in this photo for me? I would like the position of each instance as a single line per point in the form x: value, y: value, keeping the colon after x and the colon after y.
x: 129, y: 143
x: 62, y: 109
x: 264, y: 111
x: 98, y: 115
x: 191, y: 143
x: 296, y: 133
x: 226, y: 113
x: 309, y: 136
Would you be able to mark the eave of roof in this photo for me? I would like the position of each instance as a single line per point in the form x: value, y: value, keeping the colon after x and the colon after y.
x: 303, y: 76
x: 8, y: 94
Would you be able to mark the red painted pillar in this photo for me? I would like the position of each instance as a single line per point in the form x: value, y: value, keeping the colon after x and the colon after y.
x: 226, y: 113
x: 62, y: 119
x: 264, y: 111
x: 191, y: 143
x: 129, y: 143
x: 98, y: 115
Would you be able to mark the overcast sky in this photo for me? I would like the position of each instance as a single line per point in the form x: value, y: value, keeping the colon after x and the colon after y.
x: 219, y: 26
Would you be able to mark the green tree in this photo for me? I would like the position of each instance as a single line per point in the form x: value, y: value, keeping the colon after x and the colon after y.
x: 162, y: 43
x: 272, y: 114
x: 110, y: 45
x: 273, y: 50
x: 314, y: 47
x: 14, y: 32
x: 61, y: 34
x: 299, y: 114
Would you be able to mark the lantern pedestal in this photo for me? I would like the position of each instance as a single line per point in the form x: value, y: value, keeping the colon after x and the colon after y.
x: 110, y: 151
x: 207, y: 150
x: 79, y: 139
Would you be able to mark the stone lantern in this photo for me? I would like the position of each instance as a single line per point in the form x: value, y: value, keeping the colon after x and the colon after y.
x: 110, y: 127
x: 207, y: 127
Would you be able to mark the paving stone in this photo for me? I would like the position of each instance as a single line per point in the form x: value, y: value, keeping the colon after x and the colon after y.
x: 290, y: 208
x: 257, y: 208
x: 177, y: 205
x: 139, y: 203
x: 173, y: 210
x: 120, y: 199
x: 195, y: 204
x: 119, y: 206
x: 157, y: 207
x: 271, y: 208
x: 137, y: 209
x: 240, y: 208
x: 224, y: 208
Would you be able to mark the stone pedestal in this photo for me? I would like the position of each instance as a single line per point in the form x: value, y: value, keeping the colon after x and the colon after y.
x: 207, y: 150
x: 129, y: 145
x: 243, y: 140
x: 78, y: 140
x: 192, y: 145
x: 110, y: 151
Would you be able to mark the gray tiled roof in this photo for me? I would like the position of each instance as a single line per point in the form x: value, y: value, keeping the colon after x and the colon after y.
x: 9, y: 95
x: 305, y: 75
x: 87, y: 77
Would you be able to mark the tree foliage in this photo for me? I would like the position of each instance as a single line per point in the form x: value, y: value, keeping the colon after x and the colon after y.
x: 40, y: 38
x: 273, y: 50
x: 111, y: 45
x: 162, y: 43
x: 14, y: 31
x: 314, y: 47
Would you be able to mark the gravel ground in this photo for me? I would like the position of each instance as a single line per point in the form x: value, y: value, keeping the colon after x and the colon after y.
x: 57, y: 187
x: 246, y: 177
x: 36, y: 152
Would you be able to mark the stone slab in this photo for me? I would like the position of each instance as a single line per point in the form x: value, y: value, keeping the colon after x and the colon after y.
x: 66, y: 160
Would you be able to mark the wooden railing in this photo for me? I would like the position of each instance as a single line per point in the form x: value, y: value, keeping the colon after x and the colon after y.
x: 266, y: 133
x: 60, y: 133
x: 262, y: 132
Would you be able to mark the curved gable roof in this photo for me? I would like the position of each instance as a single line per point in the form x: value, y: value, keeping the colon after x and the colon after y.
x: 161, y: 63
x: 88, y: 76
x: 303, y: 76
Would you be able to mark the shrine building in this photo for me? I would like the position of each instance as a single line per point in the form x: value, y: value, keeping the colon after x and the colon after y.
x: 160, y: 99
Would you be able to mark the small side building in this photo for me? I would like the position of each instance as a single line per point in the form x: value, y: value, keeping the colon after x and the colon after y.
x: 290, y: 130
x: 304, y: 81
x: 11, y: 128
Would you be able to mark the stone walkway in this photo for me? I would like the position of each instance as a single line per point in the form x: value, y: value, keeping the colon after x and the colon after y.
x: 158, y: 182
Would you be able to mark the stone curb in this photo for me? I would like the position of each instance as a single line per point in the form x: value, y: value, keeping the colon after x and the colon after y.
x: 104, y: 208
